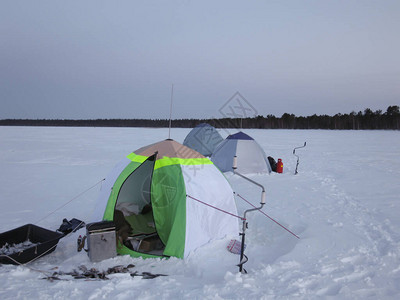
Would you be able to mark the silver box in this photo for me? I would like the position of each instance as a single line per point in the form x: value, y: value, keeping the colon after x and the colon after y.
x: 101, y: 240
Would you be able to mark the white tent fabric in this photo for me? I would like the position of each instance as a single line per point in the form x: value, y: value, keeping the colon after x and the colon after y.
x: 251, y: 157
x: 204, y: 223
x: 204, y: 138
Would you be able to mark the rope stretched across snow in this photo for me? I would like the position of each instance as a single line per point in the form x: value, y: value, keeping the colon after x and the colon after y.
x: 219, y: 209
x: 270, y: 217
x: 76, y: 197
x: 51, y: 248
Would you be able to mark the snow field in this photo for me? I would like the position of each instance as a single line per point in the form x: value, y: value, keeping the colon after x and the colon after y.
x: 344, y: 205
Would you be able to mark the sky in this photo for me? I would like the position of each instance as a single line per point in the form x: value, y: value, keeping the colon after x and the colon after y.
x: 120, y: 59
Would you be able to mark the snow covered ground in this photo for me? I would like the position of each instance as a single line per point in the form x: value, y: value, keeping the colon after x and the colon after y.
x: 344, y: 204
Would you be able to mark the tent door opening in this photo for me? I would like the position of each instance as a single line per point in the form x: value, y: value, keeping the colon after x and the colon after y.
x: 133, y: 214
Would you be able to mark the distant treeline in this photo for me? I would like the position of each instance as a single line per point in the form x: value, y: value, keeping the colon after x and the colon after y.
x: 356, y: 121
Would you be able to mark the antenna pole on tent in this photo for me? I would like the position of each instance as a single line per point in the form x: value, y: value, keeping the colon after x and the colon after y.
x: 170, y: 112
x: 244, y: 226
x: 294, y: 153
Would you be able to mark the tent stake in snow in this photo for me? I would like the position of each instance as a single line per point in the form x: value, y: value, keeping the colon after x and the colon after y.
x: 294, y: 153
x: 243, y: 233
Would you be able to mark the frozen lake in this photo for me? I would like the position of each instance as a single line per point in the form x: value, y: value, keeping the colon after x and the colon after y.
x: 344, y: 204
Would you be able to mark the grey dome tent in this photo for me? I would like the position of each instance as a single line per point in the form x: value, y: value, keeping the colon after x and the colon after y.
x: 204, y: 138
x: 251, y: 157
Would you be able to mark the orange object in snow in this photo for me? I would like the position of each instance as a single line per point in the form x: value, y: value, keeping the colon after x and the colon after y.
x: 279, y: 166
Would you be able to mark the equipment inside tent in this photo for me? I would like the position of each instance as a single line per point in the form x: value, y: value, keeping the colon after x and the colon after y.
x: 251, y: 157
x: 204, y: 138
x: 150, y: 197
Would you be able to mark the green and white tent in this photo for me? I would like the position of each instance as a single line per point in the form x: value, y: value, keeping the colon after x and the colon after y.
x: 172, y: 193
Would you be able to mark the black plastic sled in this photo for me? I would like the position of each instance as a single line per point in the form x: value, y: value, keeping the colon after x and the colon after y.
x: 27, y: 243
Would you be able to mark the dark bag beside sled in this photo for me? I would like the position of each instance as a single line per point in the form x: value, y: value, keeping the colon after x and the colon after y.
x: 70, y: 226
x: 272, y: 162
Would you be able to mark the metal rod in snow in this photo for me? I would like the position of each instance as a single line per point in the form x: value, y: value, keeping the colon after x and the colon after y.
x: 298, y: 158
x: 262, y: 202
x: 170, y: 112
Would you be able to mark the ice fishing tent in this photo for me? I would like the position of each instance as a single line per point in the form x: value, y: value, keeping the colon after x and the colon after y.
x: 155, y: 188
x: 251, y: 157
x: 204, y: 138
